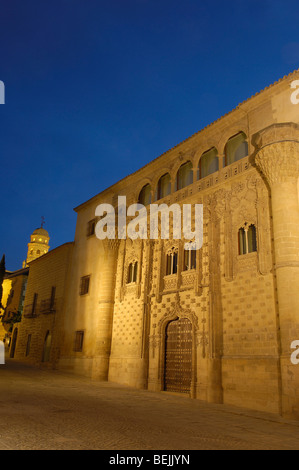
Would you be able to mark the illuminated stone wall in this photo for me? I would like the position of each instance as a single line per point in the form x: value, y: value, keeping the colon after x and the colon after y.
x: 14, y: 289
x: 6, y: 286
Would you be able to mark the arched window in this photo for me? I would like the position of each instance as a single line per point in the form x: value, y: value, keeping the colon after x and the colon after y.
x: 184, y: 176
x: 145, y: 196
x: 38, y: 252
x: 132, y: 272
x: 251, y: 236
x: 172, y: 262
x: 208, y: 164
x: 247, y: 239
x: 163, y: 187
x: 236, y: 148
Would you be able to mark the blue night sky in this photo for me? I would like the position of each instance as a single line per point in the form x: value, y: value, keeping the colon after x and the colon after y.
x: 96, y: 89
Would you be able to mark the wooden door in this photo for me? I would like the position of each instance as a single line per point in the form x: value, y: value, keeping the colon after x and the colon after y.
x: 178, y: 356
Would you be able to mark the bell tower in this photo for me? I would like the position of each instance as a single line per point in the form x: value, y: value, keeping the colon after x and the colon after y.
x: 38, y: 245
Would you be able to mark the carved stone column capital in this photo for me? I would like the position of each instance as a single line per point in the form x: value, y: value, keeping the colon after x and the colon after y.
x: 278, y: 152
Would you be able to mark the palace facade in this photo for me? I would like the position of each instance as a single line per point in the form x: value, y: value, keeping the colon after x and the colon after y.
x: 215, y: 324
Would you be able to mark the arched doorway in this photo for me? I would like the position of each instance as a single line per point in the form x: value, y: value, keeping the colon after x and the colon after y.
x: 178, y: 356
x: 13, y: 343
x: 47, y: 347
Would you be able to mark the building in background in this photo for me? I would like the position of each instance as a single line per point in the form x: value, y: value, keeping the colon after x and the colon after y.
x: 38, y: 245
x: 14, y: 289
x: 15, y: 284
x: 38, y: 338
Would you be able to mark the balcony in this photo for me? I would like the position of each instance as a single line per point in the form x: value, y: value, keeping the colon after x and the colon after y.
x: 171, y: 282
x: 47, y: 306
x: 188, y: 278
x: 30, y: 311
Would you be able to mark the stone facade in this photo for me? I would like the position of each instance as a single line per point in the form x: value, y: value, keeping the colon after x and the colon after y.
x: 37, y: 338
x: 240, y: 297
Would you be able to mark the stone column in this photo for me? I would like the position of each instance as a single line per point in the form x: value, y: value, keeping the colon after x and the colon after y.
x: 278, y: 159
x: 214, y: 386
x: 105, y: 312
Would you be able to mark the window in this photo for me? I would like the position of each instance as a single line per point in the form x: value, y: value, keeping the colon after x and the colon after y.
x: 145, y: 196
x: 84, y: 285
x: 91, y: 228
x: 242, y: 242
x: 236, y: 148
x: 164, y: 186
x: 184, y: 175
x: 189, y: 260
x: 34, y: 304
x: 38, y: 252
x: 251, y: 239
x: 172, y: 262
x: 78, y: 344
x: 247, y: 239
x: 132, y: 272
x: 208, y: 164
x: 52, y: 298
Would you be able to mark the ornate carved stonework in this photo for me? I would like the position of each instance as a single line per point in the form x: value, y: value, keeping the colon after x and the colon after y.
x: 247, y: 262
x: 281, y: 132
x: 170, y: 282
x: 111, y: 245
x: 188, y: 278
x: 278, y: 152
x: 177, y: 312
x: 279, y: 162
x: 203, y: 338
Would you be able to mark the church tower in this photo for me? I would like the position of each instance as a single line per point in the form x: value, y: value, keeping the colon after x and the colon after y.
x: 38, y: 245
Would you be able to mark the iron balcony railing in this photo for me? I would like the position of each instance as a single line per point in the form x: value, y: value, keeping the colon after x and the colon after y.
x: 44, y: 307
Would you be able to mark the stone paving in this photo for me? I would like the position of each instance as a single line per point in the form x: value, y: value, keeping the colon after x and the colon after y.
x: 51, y: 410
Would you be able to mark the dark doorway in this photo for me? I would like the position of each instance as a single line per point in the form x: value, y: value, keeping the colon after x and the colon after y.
x: 13, y: 343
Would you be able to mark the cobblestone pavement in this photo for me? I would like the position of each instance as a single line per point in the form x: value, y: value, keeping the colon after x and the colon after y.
x: 43, y: 410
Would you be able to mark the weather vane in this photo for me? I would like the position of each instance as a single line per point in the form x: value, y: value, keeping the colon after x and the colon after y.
x: 43, y: 222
